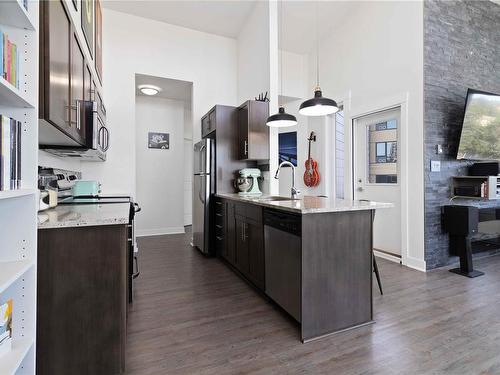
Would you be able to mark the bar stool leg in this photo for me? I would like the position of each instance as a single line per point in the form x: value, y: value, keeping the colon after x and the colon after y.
x: 377, y: 275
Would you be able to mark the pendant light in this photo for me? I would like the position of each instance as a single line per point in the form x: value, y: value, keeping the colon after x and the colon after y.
x: 319, y: 105
x: 281, y: 119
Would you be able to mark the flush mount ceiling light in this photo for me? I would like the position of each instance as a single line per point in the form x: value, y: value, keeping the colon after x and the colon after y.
x: 318, y: 105
x: 281, y: 119
x: 149, y: 90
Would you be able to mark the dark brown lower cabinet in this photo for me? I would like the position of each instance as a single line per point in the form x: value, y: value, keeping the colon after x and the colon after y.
x: 82, y: 300
x: 241, y: 261
x: 244, y: 241
x: 255, y: 242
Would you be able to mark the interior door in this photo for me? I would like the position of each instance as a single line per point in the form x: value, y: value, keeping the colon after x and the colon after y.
x: 376, y: 155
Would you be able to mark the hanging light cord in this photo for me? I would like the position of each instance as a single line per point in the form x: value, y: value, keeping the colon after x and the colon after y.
x: 317, y: 46
x: 280, y: 50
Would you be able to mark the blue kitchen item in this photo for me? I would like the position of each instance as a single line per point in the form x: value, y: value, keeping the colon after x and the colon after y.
x: 85, y: 188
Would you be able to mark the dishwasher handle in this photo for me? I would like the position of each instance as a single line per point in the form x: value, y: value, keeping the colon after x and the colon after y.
x: 283, y: 221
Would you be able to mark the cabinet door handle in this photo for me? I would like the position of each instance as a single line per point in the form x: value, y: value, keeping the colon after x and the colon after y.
x: 78, y: 114
x: 246, y: 147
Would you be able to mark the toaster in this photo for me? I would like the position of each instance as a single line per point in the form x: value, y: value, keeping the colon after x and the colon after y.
x: 85, y: 188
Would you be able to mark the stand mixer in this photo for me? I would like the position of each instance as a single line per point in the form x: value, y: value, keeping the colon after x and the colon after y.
x: 248, y: 183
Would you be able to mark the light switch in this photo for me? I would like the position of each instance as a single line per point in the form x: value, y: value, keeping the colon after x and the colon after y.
x: 435, y: 166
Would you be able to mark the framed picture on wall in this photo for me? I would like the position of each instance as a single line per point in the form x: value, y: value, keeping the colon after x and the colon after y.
x: 287, y: 147
x: 159, y: 140
x: 87, y: 10
x: 98, y: 39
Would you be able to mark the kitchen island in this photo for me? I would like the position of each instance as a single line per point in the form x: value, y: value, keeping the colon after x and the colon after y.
x: 312, y: 256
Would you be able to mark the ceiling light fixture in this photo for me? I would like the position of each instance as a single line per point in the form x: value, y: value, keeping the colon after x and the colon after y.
x: 318, y: 105
x: 281, y: 119
x: 149, y: 90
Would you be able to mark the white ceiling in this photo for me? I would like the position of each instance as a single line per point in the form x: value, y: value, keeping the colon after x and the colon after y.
x: 226, y: 18
x: 218, y: 17
x: 299, y: 26
x: 170, y: 88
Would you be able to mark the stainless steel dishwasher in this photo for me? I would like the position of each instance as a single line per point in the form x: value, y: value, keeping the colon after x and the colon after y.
x: 282, y: 242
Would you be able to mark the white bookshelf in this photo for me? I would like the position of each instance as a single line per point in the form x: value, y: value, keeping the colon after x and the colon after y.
x: 8, y: 194
x: 18, y: 208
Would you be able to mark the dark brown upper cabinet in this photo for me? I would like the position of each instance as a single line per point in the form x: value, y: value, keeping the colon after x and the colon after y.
x: 66, y: 78
x: 87, y: 84
x: 77, y: 87
x: 208, y: 123
x: 55, y: 65
x: 253, y: 133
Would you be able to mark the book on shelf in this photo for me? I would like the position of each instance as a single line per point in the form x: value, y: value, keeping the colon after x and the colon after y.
x: 5, y: 327
x: 10, y: 153
x: 10, y: 60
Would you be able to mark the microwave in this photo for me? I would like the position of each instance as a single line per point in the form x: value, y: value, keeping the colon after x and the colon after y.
x: 92, y: 116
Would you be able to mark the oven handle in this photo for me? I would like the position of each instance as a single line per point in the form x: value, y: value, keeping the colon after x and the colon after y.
x: 107, y: 138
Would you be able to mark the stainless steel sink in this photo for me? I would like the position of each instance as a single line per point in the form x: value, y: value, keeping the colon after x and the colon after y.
x: 276, y: 199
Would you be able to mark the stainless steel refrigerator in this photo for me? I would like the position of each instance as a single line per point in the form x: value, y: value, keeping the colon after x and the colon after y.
x: 203, y: 188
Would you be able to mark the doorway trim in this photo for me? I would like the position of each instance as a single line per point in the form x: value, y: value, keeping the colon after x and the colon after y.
x: 382, y: 104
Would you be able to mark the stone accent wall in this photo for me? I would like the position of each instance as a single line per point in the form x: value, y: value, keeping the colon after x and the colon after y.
x: 461, y: 50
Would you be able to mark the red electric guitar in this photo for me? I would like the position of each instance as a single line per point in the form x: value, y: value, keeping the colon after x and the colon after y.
x: 311, y: 175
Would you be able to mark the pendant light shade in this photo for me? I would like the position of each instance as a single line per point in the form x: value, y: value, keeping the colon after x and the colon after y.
x: 318, y: 106
x: 281, y: 119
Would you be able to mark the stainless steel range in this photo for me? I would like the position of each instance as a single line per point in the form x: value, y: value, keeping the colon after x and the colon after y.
x: 63, y: 181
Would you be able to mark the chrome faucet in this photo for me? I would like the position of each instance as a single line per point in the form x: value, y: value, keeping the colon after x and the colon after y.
x: 295, y: 191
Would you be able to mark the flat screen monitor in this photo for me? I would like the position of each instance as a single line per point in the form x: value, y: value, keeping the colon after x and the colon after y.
x: 480, y: 137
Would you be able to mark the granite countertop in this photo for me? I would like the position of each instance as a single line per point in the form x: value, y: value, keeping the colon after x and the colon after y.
x: 309, y: 204
x: 84, y: 215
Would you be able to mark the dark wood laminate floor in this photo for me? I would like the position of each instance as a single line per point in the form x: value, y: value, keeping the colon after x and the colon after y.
x: 192, y: 315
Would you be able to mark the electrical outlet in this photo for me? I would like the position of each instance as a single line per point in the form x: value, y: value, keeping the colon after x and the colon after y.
x: 435, y: 166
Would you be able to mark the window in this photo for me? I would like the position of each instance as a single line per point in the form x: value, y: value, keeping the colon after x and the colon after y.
x: 339, y: 154
x: 386, y: 152
x: 383, y: 152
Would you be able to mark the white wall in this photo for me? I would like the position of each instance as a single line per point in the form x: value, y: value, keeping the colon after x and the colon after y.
x: 159, y: 172
x: 137, y: 45
x: 376, y: 57
x: 188, y: 165
x: 258, y: 69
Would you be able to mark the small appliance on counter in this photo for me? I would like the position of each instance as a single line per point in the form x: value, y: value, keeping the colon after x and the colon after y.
x: 85, y: 188
x: 248, y: 182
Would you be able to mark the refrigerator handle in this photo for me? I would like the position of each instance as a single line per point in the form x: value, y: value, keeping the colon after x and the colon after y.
x: 201, y: 195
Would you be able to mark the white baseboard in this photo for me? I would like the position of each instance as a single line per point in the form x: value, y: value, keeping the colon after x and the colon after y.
x: 159, y: 232
x: 416, y: 264
x: 386, y: 256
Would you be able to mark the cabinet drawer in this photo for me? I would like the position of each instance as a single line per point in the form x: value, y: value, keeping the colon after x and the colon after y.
x: 219, y: 206
x: 219, y: 229
x: 254, y: 212
x: 220, y: 245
